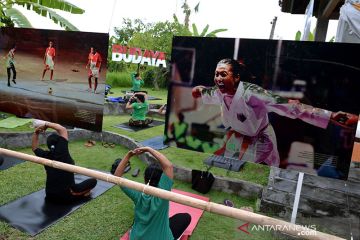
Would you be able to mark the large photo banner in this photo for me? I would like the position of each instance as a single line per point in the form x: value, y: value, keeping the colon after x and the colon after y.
x: 57, y: 76
x: 288, y: 104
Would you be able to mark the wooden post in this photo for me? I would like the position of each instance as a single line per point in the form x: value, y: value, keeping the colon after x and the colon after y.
x: 273, y: 25
x: 280, y: 225
x: 321, y: 29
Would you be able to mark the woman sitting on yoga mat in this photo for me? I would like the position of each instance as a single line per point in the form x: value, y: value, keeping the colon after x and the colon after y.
x: 138, y: 102
x: 136, y: 81
x: 152, y: 213
x: 60, y: 185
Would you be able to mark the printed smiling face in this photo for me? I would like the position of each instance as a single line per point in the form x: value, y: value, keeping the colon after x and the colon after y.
x: 225, y: 79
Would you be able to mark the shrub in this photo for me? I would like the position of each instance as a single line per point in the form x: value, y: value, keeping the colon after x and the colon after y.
x: 157, y: 74
x: 148, y: 77
x: 118, y: 79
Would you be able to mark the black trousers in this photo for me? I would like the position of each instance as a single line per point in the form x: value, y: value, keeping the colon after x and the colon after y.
x: 12, y: 68
x: 178, y: 224
x: 78, y: 192
x: 140, y: 123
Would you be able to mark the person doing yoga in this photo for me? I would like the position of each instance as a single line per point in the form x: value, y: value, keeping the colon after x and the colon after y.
x: 152, y: 213
x: 60, y: 184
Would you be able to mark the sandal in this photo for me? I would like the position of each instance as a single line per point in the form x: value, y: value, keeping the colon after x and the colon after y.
x: 228, y: 203
x: 112, y: 145
x: 104, y: 144
x: 136, y: 172
x: 127, y: 168
x: 89, y: 143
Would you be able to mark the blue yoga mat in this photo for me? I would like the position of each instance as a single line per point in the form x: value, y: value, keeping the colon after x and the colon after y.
x: 7, y: 162
x: 156, y: 143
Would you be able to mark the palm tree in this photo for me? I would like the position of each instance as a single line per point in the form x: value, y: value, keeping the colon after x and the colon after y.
x: 10, y: 16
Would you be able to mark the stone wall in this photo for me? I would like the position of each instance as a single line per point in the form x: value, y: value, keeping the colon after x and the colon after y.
x: 328, y: 203
x: 119, y: 109
x: 239, y: 187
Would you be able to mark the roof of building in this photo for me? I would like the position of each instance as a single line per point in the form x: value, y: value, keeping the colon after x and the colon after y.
x: 328, y: 9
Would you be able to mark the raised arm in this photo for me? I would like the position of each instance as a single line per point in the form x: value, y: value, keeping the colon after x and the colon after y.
x: 196, y: 91
x: 208, y: 95
x: 256, y: 96
x: 165, y: 163
x: 35, y: 137
x: 58, y: 128
x: 143, y: 94
x: 128, y: 104
x: 121, y: 167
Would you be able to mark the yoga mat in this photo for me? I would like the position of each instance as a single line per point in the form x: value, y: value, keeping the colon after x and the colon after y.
x: 31, y: 214
x: 194, y: 212
x: 7, y: 162
x: 175, y: 208
x: 148, y: 98
x: 13, y: 122
x: 153, y: 98
x: 155, y: 143
x: 115, y: 99
x: 125, y: 126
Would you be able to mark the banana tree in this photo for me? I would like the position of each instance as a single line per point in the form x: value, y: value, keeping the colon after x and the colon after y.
x: 205, y: 33
x: 310, y: 38
x: 10, y: 16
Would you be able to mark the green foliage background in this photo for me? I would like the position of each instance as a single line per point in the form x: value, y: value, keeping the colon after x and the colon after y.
x: 152, y: 36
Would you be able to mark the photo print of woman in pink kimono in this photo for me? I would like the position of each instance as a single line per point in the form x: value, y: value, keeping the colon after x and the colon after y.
x: 245, y: 107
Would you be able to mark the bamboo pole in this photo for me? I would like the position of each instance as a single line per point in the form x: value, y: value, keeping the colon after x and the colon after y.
x: 276, y: 224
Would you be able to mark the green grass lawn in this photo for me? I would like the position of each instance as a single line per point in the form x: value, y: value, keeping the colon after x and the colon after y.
x: 251, y: 172
x: 111, y: 214
x: 255, y: 173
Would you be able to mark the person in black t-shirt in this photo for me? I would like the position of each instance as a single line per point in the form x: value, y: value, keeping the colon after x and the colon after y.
x: 60, y: 185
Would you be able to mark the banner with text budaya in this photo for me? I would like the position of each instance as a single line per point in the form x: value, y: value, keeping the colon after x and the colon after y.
x: 138, y: 56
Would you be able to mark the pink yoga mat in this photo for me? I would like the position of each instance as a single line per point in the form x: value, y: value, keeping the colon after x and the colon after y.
x: 179, y: 208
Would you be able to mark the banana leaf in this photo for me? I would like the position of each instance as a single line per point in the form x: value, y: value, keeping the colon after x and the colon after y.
x: 206, y: 28
x: 56, y: 18
x: 213, y: 33
x: 195, y: 31
x: 18, y: 18
x: 55, y: 4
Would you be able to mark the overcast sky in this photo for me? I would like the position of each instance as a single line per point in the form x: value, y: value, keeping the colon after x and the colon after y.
x: 243, y: 19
